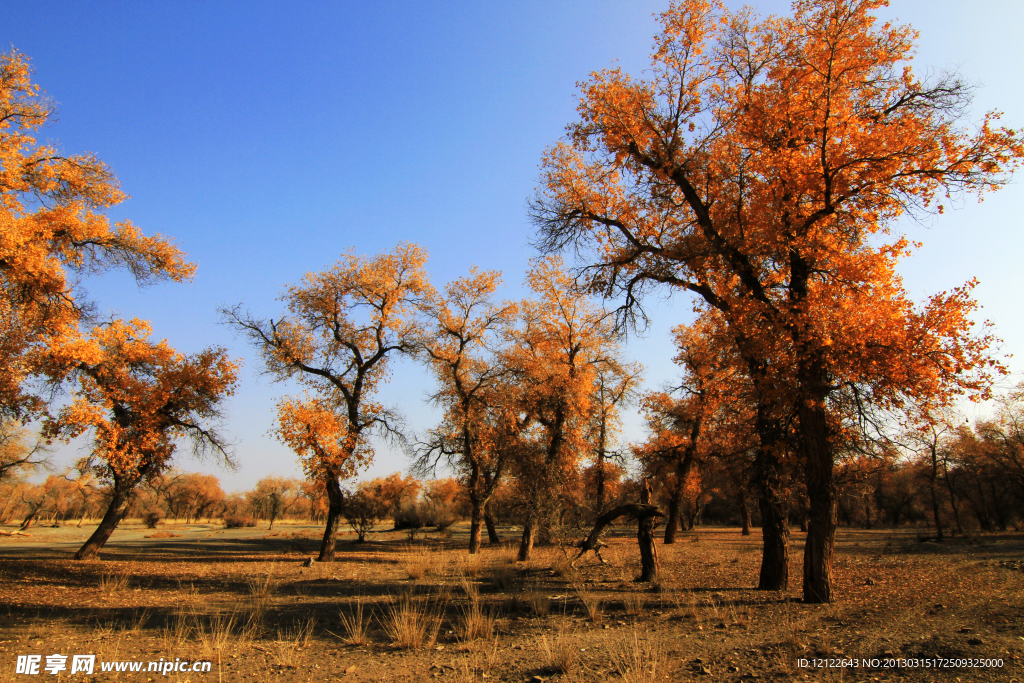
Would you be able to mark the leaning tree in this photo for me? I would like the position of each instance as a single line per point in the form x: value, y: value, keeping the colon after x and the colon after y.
x: 138, y: 399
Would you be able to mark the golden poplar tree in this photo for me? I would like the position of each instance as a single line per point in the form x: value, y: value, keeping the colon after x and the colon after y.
x: 52, y: 232
x: 341, y: 327
x: 762, y: 165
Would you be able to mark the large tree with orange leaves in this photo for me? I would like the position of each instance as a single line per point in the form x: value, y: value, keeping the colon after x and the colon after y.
x: 341, y: 327
x: 761, y: 167
x: 53, y: 232
x: 138, y: 399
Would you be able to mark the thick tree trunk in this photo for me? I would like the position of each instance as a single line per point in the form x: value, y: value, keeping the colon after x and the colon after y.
x: 492, y: 533
x: 335, y: 510
x: 821, y: 527
x: 774, y: 573
x: 645, y: 537
x: 119, y: 502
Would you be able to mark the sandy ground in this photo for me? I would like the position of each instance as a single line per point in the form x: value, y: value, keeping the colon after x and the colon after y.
x: 240, y: 598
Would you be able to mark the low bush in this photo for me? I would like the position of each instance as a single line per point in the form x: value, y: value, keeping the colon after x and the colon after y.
x: 152, y: 517
x: 237, y: 521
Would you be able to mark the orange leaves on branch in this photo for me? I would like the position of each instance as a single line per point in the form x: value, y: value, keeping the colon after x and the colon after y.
x: 340, y: 328
x: 52, y: 232
x: 138, y: 398
x: 753, y: 168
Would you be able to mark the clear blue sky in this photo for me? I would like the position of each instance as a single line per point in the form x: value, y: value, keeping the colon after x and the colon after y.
x: 267, y: 138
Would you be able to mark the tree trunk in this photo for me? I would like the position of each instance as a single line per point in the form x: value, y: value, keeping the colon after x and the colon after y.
x: 335, y: 509
x: 492, y: 533
x: 593, y: 541
x: 116, y: 510
x: 475, y: 523
x: 744, y: 513
x: 29, y: 520
x: 645, y: 537
x: 672, y: 523
x: 774, y: 575
x: 935, y: 512
x: 952, y: 499
x: 821, y: 527
x: 529, y: 537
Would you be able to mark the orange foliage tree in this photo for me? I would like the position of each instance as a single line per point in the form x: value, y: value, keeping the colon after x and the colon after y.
x: 138, y: 399
x: 556, y: 353
x: 341, y: 327
x: 52, y: 232
x: 464, y: 326
x: 706, y: 418
x: 761, y: 167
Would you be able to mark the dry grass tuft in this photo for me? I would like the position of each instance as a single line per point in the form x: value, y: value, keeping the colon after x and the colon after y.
x: 291, y: 641
x: 562, y: 566
x: 562, y: 653
x: 591, y: 603
x: 419, y: 562
x: 261, y: 590
x: 478, y: 665
x: 469, y: 587
x: 217, y: 633
x: 633, y: 602
x: 355, y: 625
x: 475, y: 622
x: 538, y: 601
x: 503, y: 573
x: 411, y: 625
x: 114, y: 582
x: 636, y: 657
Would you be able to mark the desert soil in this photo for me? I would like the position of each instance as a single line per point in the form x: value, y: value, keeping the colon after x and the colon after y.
x: 241, y: 599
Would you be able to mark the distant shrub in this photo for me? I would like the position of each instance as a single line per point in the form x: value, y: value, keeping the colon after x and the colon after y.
x: 409, y: 515
x: 438, y: 514
x: 152, y: 518
x: 238, y: 521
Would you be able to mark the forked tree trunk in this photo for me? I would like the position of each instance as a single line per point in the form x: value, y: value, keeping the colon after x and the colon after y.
x: 634, y: 510
x: 116, y: 510
x: 529, y: 537
x: 335, y: 509
x: 29, y: 520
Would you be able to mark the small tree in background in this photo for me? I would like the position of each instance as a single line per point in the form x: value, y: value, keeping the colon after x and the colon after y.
x: 138, y: 399
x: 341, y: 327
